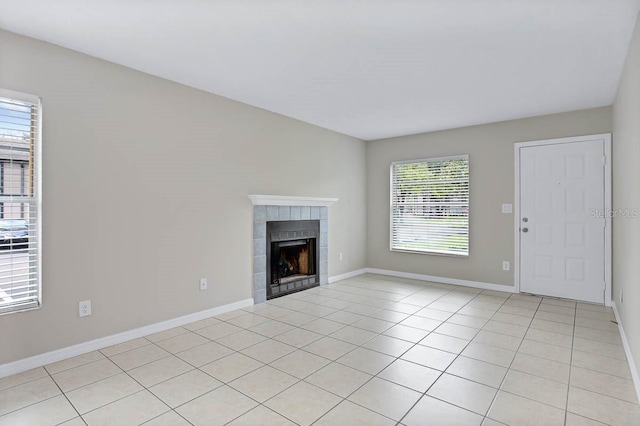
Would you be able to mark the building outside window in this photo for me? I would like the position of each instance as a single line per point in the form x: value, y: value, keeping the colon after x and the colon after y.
x: 20, y: 202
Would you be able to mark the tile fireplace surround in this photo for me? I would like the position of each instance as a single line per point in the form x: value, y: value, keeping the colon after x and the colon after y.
x: 267, y: 208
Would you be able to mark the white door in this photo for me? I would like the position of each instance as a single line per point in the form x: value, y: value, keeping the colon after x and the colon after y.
x: 562, y: 225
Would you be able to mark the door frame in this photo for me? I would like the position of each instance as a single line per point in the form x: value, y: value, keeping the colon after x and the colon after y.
x: 606, y: 137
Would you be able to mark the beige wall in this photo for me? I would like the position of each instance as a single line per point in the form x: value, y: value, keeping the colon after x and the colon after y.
x: 156, y: 167
x: 145, y: 191
x: 626, y: 195
x: 491, y: 165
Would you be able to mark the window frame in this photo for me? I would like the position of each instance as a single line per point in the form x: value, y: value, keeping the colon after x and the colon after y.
x: 37, y: 196
x: 392, y: 205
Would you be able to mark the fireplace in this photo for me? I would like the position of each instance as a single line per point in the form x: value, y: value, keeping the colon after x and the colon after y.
x: 271, y: 209
x: 292, y: 249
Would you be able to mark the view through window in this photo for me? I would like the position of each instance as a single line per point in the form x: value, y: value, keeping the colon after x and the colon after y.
x: 430, y: 206
x: 19, y: 202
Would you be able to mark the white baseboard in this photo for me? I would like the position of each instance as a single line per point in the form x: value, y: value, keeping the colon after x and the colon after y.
x: 25, y: 364
x: 443, y: 280
x: 421, y: 277
x: 346, y: 275
x: 627, y: 350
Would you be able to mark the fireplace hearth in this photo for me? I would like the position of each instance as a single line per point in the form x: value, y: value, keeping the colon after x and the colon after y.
x: 292, y: 256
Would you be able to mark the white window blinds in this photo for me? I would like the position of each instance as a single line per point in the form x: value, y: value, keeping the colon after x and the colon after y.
x: 19, y: 202
x: 430, y: 206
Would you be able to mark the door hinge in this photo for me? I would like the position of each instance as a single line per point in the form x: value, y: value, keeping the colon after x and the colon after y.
x: 604, y: 160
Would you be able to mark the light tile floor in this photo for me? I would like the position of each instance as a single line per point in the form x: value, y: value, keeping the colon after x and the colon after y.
x: 371, y: 350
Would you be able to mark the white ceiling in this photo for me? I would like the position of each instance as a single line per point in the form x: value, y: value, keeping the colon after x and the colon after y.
x: 367, y: 68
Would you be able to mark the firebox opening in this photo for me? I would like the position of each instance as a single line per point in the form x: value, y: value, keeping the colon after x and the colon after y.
x: 292, y: 260
x: 292, y: 256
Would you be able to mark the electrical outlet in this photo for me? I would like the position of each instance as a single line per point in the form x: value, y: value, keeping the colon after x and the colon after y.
x: 203, y: 284
x: 507, y: 208
x: 340, y: 257
x: 84, y: 308
x: 505, y: 265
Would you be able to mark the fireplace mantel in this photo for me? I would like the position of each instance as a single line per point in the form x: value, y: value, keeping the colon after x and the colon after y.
x: 285, y: 200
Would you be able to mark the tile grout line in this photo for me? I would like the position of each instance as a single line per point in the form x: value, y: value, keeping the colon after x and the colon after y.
x: 249, y: 372
x: 342, y: 399
x: 539, y: 304
x: 144, y: 388
x: 66, y: 397
x: 573, y: 338
x: 302, y: 348
x: 369, y: 380
x: 495, y: 397
x: 414, y: 344
x: 351, y: 303
x: 454, y: 360
x: 532, y: 318
x: 460, y: 354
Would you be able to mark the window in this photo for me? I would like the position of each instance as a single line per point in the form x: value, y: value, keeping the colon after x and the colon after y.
x: 430, y: 206
x: 19, y: 202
